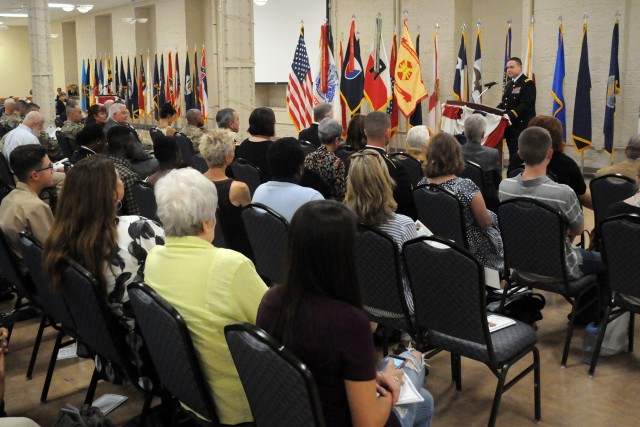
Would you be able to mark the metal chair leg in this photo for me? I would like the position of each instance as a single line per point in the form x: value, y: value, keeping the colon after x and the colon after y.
x: 498, y: 396
x: 148, y: 398
x: 631, y: 331
x: 36, y: 346
x: 601, y: 332
x: 91, y: 391
x: 536, y: 384
x: 52, y: 366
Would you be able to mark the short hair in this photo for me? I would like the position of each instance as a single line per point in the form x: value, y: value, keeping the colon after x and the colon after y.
x: 355, y: 132
x: 284, y: 157
x: 417, y: 138
x: 321, y: 110
x: 376, y: 124
x: 370, y: 188
x: 533, y: 144
x: 118, y: 138
x: 215, y: 146
x: 185, y: 199
x: 262, y: 121
x: 165, y: 149
x: 474, y: 128
x: 444, y: 156
x: 516, y: 60
x: 633, y: 147
x: 167, y: 110
x: 32, y: 106
x: 21, y: 106
x: 192, y: 114
x: 90, y: 133
x: 554, y: 126
x: 70, y: 108
x: 328, y: 130
x: 9, y: 101
x: 224, y: 117
x: 25, y: 159
x: 116, y: 107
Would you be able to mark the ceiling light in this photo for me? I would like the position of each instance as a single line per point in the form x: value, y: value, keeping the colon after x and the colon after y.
x: 55, y: 35
x: 84, y: 8
x: 135, y: 20
x: 260, y: 2
x: 14, y: 15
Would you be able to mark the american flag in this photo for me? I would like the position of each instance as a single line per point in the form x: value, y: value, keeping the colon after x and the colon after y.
x: 300, y: 87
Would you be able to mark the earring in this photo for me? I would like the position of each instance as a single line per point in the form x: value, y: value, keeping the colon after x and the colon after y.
x: 119, y: 205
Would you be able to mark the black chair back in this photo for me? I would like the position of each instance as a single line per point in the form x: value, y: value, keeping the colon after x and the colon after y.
x: 9, y: 268
x: 606, y: 190
x: 52, y: 302
x: 64, y: 144
x: 177, y: 364
x: 219, y: 238
x: 307, y: 147
x: 529, y: 227
x: 442, y: 212
x: 474, y: 172
x: 155, y: 133
x: 280, y: 388
x: 411, y: 164
x: 5, y: 173
x: 267, y: 232
x: 437, y: 268
x: 246, y: 172
x: 621, y: 248
x: 199, y: 163
x: 146, y: 200
x: 379, y: 272
x: 186, y: 148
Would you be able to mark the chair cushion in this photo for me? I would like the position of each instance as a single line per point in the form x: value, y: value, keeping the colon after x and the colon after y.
x: 507, y: 343
x: 575, y: 286
x: 626, y: 304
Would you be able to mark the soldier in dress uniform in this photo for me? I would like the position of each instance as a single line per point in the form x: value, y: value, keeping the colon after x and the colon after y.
x: 519, y: 101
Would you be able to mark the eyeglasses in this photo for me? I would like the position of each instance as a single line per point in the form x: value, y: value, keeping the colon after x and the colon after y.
x: 45, y: 168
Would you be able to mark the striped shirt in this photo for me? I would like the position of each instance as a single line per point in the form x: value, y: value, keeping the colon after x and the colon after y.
x: 557, y: 196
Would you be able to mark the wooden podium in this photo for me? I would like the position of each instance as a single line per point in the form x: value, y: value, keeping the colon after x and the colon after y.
x: 484, y: 108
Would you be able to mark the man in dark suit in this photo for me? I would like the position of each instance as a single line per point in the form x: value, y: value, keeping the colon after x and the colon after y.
x: 519, y: 101
x: 487, y: 157
x: 310, y: 134
x: 377, y: 128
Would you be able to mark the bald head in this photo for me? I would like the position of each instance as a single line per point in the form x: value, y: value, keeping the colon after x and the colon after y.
x: 33, y: 120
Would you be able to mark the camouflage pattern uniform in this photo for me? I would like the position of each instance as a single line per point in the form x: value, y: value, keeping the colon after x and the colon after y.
x: 193, y: 133
x: 71, y: 129
x: 11, y: 120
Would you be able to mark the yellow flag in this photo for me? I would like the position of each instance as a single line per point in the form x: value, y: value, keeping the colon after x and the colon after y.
x: 409, y: 86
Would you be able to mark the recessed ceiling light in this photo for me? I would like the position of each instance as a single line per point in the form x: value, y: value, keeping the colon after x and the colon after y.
x: 260, y: 2
x: 14, y: 15
x: 84, y: 8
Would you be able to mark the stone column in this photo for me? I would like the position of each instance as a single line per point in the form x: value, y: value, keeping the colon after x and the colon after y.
x: 41, y: 66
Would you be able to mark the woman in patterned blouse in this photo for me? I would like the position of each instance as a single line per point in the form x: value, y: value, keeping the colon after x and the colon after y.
x: 325, y: 162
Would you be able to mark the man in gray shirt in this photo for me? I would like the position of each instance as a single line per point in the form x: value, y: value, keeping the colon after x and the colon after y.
x: 534, y: 147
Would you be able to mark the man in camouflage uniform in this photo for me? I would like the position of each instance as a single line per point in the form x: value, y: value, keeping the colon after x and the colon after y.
x: 72, y: 125
x: 11, y: 118
x: 194, y: 128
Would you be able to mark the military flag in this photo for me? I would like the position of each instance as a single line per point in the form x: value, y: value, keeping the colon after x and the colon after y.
x: 477, y: 71
x: 528, y: 60
x: 392, y: 107
x: 162, y: 95
x: 85, y: 94
x: 123, y: 81
x: 116, y: 85
x: 377, y: 80
x: 558, y: 109
x: 343, y: 105
x: 101, y: 79
x: 109, y: 78
x: 326, y: 87
x: 189, y: 102
x: 352, y: 78
x: 434, y: 98
x: 461, y: 79
x: 203, y: 92
x: 169, y: 88
x: 142, y: 89
x: 409, y: 86
x: 135, y: 108
x: 613, y: 88
x: 581, y: 135
x: 156, y: 89
x: 176, y: 89
x: 130, y: 88
x: 416, y: 117
x: 196, y: 81
x: 507, y: 55
x: 300, y: 87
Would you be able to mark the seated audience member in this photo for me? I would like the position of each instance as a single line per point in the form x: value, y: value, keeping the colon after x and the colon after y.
x: 143, y: 163
x: 323, y: 110
x: 167, y: 152
x: 317, y: 314
x: 22, y: 209
x: 563, y: 167
x: 356, y: 138
x: 120, y: 141
x: 324, y: 162
x: 194, y: 128
x: 109, y: 102
x: 87, y: 229
x: 61, y: 106
x: 11, y: 117
x: 92, y: 141
x: 96, y: 114
x: 630, y: 163
x: 282, y: 193
x: 417, y: 140
x: 262, y: 126
x: 487, y: 157
x: 630, y: 205
x: 377, y: 127
x: 228, y: 118
x: 72, y: 125
x: 210, y: 287
x: 217, y: 148
x: 444, y: 163
x: 25, y: 134
x: 167, y: 117
x: 21, y: 108
x: 534, y: 147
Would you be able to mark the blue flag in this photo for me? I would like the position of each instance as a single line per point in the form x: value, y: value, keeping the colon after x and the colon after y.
x: 116, y: 88
x: 122, y: 93
x: 84, y: 86
x: 129, y: 89
x: 156, y: 89
x: 613, y: 88
x: 162, y: 96
x: 558, y: 110
x: 582, y: 109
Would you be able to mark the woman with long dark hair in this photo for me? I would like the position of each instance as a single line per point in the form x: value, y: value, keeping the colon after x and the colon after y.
x: 317, y: 314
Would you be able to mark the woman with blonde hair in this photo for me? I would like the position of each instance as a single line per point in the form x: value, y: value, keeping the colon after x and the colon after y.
x: 444, y: 163
x: 217, y: 147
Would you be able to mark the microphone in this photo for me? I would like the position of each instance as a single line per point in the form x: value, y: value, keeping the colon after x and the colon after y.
x: 490, y: 84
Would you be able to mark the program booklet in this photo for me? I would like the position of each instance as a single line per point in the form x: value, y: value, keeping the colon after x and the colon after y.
x: 498, y: 322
